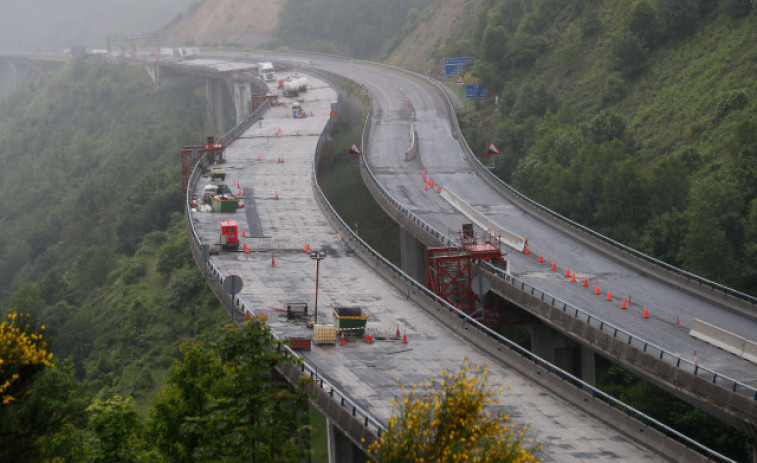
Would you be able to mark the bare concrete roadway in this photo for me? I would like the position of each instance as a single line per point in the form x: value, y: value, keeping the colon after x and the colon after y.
x: 277, y: 271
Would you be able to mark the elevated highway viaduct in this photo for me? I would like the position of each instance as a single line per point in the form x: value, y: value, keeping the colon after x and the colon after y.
x: 573, y: 421
x: 272, y: 162
x: 660, y: 348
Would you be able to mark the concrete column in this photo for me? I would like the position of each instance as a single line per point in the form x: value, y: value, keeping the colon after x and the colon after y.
x: 214, y: 94
x: 563, y: 352
x: 413, y: 256
x: 340, y: 448
x: 242, y: 99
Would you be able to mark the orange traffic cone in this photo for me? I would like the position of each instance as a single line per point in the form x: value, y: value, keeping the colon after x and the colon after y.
x: 541, y: 258
x: 404, y: 337
x: 438, y: 189
x: 623, y: 305
x: 398, y: 331
x: 426, y: 187
x: 238, y: 187
x: 586, y: 283
x: 567, y: 272
x: 258, y: 157
x: 307, y: 248
x: 646, y: 312
x: 678, y: 325
x: 596, y: 290
x: 277, y: 196
x: 424, y: 175
x: 273, y: 261
x: 431, y: 182
x: 342, y: 340
x: 609, y: 295
x: 243, y: 234
x: 554, y: 265
x: 573, y: 278
x: 526, y: 251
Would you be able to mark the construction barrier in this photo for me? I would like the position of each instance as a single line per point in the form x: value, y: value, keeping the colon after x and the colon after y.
x: 413, y: 151
x: 725, y: 340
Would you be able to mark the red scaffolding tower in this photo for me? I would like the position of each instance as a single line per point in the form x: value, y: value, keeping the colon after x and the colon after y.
x: 450, y: 272
x: 191, y: 154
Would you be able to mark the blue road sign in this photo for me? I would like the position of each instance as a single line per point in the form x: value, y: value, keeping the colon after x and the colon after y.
x: 462, y: 60
x: 476, y: 91
x: 454, y: 66
x: 452, y: 69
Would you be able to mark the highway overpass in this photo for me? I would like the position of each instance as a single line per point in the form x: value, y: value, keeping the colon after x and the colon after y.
x: 273, y: 163
x: 713, y: 379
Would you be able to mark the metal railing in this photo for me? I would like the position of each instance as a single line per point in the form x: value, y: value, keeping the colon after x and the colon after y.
x: 583, y: 229
x: 312, y: 371
x: 502, y: 340
x: 646, y: 346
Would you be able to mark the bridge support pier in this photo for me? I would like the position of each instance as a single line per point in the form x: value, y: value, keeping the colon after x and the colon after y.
x: 242, y: 99
x: 413, y: 256
x: 340, y: 448
x: 559, y: 350
x: 216, y: 107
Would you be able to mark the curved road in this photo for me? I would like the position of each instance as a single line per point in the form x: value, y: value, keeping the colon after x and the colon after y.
x: 445, y: 162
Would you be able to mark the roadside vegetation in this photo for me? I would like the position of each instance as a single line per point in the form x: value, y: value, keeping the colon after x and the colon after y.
x: 453, y: 419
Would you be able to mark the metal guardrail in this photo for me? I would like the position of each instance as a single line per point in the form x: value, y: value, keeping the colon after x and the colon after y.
x: 312, y: 371
x: 646, y: 346
x: 620, y: 246
x: 369, y: 419
x: 537, y: 361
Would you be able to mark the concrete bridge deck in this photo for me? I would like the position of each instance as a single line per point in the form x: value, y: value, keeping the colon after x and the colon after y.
x: 367, y: 372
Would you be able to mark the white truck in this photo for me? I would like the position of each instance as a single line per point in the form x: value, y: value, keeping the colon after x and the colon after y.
x: 265, y: 71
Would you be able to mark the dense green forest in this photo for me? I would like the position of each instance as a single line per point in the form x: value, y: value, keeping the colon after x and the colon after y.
x: 94, y: 246
x: 635, y: 118
x: 360, y: 29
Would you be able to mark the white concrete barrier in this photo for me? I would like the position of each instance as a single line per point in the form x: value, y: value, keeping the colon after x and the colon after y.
x: 725, y: 340
x: 506, y: 237
x: 411, y: 152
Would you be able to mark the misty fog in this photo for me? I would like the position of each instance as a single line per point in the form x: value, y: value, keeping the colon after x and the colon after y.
x: 58, y: 24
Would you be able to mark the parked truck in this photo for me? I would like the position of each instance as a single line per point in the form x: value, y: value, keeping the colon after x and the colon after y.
x: 266, y: 71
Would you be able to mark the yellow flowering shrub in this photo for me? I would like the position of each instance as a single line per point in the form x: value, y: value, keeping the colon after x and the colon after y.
x: 447, y: 420
x: 22, y: 352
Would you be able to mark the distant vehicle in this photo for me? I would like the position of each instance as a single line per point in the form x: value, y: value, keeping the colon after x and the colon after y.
x: 289, y: 87
x: 266, y: 71
x: 185, y: 52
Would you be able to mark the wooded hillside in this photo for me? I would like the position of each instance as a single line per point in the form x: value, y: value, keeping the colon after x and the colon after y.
x: 635, y: 118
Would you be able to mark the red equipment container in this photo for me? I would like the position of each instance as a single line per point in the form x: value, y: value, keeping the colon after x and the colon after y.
x: 229, y: 234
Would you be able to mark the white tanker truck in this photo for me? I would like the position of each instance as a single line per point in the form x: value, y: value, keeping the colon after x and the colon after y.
x: 293, y: 86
